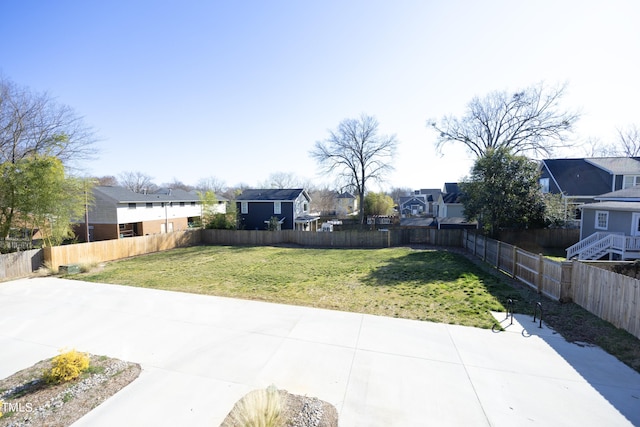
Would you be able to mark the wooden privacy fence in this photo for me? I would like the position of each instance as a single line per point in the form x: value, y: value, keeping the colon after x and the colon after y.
x: 109, y: 250
x: 427, y: 236
x: 608, y: 295
x: 20, y: 264
x: 540, y: 273
x: 338, y: 239
x: 535, y: 240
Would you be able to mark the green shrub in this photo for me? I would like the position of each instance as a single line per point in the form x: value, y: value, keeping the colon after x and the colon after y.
x: 66, y: 366
x: 222, y: 221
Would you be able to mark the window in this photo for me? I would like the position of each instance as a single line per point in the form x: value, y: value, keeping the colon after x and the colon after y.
x: 602, y: 220
x: 149, y: 205
x: 305, y: 207
x: 132, y: 205
x: 193, y: 203
x: 630, y: 181
x: 544, y: 185
x: 244, y: 207
x: 182, y: 204
x: 277, y: 207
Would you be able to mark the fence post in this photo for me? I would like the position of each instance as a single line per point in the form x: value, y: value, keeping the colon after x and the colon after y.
x: 540, y: 277
x: 515, y: 261
x: 475, y: 244
x: 47, y: 253
x: 566, y: 290
x: 484, y: 249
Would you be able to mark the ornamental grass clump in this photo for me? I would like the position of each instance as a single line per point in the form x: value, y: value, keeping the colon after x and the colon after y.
x: 260, y: 408
x: 66, y: 366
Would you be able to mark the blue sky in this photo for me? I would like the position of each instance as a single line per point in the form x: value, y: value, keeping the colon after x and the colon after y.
x: 239, y: 90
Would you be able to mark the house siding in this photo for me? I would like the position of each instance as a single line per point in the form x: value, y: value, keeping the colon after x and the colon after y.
x: 345, y: 205
x: 105, y: 231
x: 157, y: 212
x: 113, y: 206
x: 408, y: 205
x: 259, y: 212
x: 454, y: 210
x: 619, y: 222
x: 156, y: 226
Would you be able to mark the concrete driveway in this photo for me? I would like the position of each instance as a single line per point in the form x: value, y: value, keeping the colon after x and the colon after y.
x: 200, y: 354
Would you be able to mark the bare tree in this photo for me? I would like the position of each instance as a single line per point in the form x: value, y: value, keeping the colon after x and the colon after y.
x: 398, y: 192
x: 285, y: 180
x: 357, y: 154
x: 137, y: 182
x: 629, y: 140
x: 594, y: 147
x: 323, y: 200
x: 34, y: 124
x: 211, y: 183
x: 177, y: 184
x: 107, y: 181
x: 282, y: 180
x: 39, y: 140
x: 529, y: 121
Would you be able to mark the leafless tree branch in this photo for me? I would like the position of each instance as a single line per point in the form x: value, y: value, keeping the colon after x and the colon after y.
x: 33, y: 123
x: 629, y: 140
x: 356, y: 153
x: 527, y: 122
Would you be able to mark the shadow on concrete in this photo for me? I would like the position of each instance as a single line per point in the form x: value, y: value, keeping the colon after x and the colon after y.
x: 612, y: 379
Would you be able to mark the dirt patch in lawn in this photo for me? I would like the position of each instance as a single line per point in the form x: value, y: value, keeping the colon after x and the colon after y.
x: 27, y: 400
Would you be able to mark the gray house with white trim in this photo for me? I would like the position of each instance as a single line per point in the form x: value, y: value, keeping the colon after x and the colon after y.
x: 610, y: 227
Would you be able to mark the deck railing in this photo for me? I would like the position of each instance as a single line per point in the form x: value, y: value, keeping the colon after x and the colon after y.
x: 600, y: 243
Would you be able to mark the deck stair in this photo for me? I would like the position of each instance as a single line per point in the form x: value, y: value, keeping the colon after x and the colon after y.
x: 601, y: 244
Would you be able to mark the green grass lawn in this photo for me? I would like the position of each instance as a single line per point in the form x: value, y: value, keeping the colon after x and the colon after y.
x: 432, y: 285
x: 429, y: 285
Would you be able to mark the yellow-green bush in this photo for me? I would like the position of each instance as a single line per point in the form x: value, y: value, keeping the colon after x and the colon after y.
x: 67, y: 366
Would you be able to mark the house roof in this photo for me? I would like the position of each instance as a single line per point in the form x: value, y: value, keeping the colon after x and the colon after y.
x: 613, y: 206
x: 631, y: 194
x: 451, y: 187
x: 450, y: 198
x: 431, y: 193
x: 455, y: 220
x: 345, y: 195
x: 271, y: 195
x: 124, y: 195
x: 617, y: 165
x: 413, y: 199
x: 417, y: 222
x: 577, y: 177
x: 219, y: 198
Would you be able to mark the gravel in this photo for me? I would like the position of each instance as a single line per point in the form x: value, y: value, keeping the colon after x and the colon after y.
x: 30, y: 401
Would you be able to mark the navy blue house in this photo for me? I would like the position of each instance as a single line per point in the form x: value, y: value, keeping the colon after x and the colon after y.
x: 256, y: 207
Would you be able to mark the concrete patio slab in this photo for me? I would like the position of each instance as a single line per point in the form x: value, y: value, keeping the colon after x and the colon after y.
x: 200, y: 354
